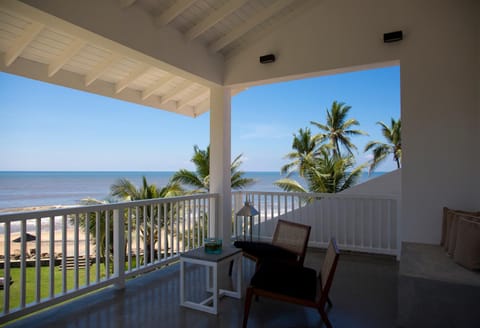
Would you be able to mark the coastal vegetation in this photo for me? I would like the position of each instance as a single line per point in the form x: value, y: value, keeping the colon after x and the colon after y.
x: 326, y: 160
x: 382, y: 150
x: 124, y: 190
x: 199, y: 179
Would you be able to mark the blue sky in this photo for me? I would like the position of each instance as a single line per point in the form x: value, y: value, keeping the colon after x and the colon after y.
x: 46, y: 127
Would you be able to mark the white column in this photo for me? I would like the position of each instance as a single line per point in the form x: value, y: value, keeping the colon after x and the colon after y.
x: 220, y: 158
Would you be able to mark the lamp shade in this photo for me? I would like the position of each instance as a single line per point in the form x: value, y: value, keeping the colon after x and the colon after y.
x: 247, y: 210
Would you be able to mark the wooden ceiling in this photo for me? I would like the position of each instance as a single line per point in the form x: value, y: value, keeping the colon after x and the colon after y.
x: 43, y: 47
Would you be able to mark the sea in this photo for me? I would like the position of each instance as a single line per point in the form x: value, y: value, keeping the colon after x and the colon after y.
x: 19, y: 189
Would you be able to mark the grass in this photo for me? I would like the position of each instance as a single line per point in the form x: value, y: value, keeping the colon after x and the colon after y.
x: 31, y: 284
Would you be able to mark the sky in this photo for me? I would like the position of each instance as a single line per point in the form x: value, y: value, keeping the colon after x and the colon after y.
x: 45, y: 127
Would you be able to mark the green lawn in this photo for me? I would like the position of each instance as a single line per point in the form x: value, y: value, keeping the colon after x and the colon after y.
x: 44, y: 283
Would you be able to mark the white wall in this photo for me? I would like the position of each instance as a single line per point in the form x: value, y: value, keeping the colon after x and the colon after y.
x: 439, y: 88
x: 386, y: 184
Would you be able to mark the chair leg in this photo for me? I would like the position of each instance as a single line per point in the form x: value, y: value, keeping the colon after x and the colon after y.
x: 248, y: 302
x: 329, y: 302
x: 230, y: 268
x: 324, y: 316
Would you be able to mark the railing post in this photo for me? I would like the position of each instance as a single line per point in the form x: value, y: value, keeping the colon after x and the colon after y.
x: 399, y: 227
x: 118, y: 249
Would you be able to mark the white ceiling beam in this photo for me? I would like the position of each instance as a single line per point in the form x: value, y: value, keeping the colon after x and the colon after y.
x: 22, y: 42
x: 208, y: 77
x: 156, y: 86
x: 236, y: 91
x: 100, y: 68
x: 71, y: 50
x: 182, y: 87
x: 191, y: 98
x: 130, y: 78
x: 214, y: 18
x: 242, y: 29
x: 126, y: 3
x: 172, y: 12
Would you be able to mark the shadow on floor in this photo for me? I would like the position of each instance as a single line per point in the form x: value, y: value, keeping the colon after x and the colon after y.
x: 364, y: 294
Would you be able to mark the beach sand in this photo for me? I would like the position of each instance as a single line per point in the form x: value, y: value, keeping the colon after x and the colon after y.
x: 15, y: 247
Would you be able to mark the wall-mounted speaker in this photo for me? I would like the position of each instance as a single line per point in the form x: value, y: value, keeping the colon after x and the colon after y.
x: 393, y: 36
x: 265, y: 59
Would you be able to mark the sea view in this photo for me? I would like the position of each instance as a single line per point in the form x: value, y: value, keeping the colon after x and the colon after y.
x: 28, y: 189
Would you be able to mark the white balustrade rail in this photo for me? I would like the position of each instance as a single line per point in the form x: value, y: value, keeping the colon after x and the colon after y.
x: 80, y: 249
x: 364, y: 223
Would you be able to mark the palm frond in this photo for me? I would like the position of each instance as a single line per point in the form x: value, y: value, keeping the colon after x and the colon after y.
x: 290, y: 185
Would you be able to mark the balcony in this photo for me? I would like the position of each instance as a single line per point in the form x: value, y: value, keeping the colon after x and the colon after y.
x: 364, y: 294
x: 132, y: 277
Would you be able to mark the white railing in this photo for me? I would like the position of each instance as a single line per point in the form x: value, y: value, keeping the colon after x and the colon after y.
x: 364, y: 223
x: 80, y: 249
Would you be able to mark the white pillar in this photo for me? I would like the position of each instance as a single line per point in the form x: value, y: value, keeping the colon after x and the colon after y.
x: 220, y: 158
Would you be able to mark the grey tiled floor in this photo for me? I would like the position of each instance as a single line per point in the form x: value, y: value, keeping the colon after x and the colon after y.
x: 364, y: 294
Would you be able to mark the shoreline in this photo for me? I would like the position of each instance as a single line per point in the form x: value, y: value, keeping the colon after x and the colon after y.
x: 34, y: 208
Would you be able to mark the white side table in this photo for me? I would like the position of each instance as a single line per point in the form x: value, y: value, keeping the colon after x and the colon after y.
x: 211, y: 263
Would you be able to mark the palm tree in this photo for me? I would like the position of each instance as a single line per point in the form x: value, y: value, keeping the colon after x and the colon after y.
x: 200, y: 179
x: 126, y: 190
x: 90, y: 223
x: 381, y: 150
x: 338, y: 128
x: 305, y: 148
x: 328, y: 173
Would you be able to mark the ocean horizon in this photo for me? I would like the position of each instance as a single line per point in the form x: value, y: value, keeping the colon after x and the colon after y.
x: 20, y: 189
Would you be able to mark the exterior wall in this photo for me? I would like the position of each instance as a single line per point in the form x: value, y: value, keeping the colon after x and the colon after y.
x: 439, y: 88
x: 107, y: 18
x: 386, y: 184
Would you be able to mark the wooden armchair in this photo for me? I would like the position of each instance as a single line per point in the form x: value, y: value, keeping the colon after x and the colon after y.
x: 295, y: 284
x: 289, y: 244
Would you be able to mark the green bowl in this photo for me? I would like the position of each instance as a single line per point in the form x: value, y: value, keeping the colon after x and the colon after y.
x: 213, y: 246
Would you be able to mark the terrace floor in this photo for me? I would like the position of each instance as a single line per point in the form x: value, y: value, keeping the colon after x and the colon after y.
x: 364, y: 294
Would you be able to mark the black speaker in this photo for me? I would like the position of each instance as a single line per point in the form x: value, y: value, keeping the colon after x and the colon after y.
x: 393, y: 36
x: 270, y: 58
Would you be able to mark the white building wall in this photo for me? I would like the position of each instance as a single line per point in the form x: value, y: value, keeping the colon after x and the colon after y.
x: 387, y: 184
x: 439, y: 88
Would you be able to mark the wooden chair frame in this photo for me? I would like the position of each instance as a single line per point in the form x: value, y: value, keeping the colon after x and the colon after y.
x: 279, y: 240
x: 282, y: 238
x: 328, y: 271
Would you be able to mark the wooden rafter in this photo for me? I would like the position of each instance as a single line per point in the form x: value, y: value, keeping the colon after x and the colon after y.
x: 214, y: 18
x: 22, y: 42
x: 255, y: 20
x: 182, y: 87
x: 192, y: 98
x: 201, y: 107
x: 71, y: 50
x: 131, y: 77
x: 126, y: 3
x: 172, y: 12
x: 100, y: 68
x: 150, y: 90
